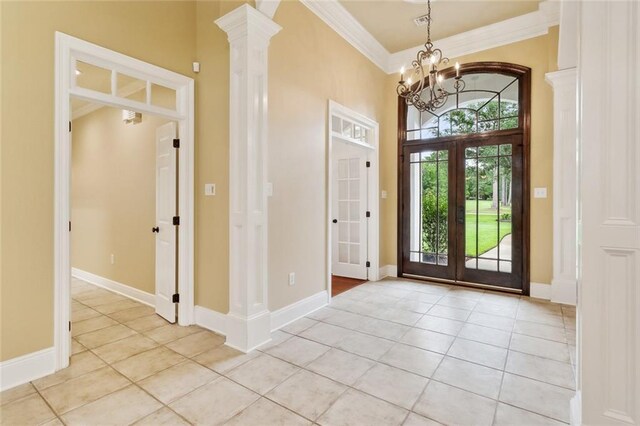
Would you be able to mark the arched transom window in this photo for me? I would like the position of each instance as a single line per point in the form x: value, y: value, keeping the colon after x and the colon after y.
x: 489, y: 102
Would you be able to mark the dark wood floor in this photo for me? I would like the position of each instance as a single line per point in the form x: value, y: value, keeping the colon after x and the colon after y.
x: 342, y: 284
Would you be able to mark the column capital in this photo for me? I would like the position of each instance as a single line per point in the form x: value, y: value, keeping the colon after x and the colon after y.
x: 245, y: 21
x: 560, y: 77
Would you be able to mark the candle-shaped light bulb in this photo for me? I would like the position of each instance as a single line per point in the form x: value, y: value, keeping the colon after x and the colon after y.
x: 433, y: 59
x: 440, y: 78
x: 402, y: 74
x: 409, y: 81
x: 457, y: 69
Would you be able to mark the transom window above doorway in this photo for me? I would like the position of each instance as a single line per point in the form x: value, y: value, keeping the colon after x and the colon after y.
x: 489, y: 102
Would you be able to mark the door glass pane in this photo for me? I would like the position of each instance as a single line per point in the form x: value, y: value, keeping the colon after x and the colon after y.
x: 354, y: 254
x: 354, y: 189
x: 429, y: 209
x: 488, y: 209
x: 343, y: 253
x: 343, y: 232
x: 343, y: 190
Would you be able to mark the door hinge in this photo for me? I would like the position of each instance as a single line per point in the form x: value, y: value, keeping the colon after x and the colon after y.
x: 368, y: 214
x: 69, y: 226
x: 368, y: 264
x: 368, y: 163
x: 175, y: 298
x: 176, y: 220
x: 69, y: 126
x: 69, y: 325
x: 176, y: 143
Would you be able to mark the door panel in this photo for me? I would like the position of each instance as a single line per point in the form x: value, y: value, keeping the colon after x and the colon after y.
x: 490, y: 241
x: 462, y: 210
x: 429, y: 237
x: 349, y: 205
x: 166, y: 209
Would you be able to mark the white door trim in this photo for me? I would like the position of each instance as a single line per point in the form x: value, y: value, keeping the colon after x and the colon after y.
x: 67, y: 50
x: 373, y: 230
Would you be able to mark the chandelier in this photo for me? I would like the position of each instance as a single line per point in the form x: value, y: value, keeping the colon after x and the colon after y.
x: 425, y: 70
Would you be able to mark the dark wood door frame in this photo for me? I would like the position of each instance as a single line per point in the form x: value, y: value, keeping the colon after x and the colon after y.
x: 524, y: 130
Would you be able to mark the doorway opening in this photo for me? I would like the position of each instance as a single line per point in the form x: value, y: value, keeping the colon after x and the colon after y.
x: 352, y: 199
x: 464, y: 182
x: 90, y: 74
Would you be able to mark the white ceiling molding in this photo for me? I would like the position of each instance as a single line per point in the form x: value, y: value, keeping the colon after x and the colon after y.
x: 268, y: 7
x: 342, y: 22
x: 509, y: 31
x: 127, y: 90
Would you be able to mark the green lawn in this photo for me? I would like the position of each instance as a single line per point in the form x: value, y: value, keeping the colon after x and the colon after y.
x: 487, y: 227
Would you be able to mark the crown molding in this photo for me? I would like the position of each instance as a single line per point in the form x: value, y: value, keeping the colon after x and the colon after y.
x: 342, y: 22
x: 509, y: 31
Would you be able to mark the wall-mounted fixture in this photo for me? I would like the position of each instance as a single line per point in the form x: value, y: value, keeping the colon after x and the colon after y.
x: 131, y: 117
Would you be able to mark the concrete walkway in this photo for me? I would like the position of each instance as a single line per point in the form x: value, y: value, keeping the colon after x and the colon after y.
x: 492, y: 265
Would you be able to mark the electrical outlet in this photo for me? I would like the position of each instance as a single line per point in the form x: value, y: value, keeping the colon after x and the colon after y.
x: 383, y: 194
x: 539, y: 192
x: 113, y: 259
x: 292, y: 278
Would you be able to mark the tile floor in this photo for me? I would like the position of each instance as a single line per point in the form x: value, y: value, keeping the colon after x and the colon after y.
x: 388, y: 353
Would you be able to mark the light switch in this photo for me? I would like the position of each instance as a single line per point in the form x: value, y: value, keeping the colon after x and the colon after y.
x: 539, y: 192
x: 383, y: 194
x: 209, y: 189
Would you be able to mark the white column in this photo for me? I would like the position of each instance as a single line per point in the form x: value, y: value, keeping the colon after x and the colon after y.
x: 609, y: 190
x: 249, y: 319
x: 565, y: 208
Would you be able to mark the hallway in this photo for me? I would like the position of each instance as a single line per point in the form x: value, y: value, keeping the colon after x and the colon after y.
x: 393, y: 352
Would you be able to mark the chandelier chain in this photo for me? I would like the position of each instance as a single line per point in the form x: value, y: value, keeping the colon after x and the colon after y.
x: 428, y: 21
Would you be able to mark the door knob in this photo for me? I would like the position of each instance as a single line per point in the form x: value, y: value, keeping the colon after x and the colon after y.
x: 155, y: 229
x: 335, y: 221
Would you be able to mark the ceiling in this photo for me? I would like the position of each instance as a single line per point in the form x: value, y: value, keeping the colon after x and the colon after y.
x: 391, y: 21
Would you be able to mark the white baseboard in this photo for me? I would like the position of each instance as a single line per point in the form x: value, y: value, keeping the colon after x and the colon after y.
x: 299, y: 309
x: 575, y: 414
x: 25, y: 368
x: 388, y: 271
x: 116, y: 287
x: 564, y: 291
x: 540, y: 291
x: 211, y: 320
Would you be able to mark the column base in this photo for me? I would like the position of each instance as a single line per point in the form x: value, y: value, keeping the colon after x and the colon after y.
x: 564, y: 291
x: 247, y: 333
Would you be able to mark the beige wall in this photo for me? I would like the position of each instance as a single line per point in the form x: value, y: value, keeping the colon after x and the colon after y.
x: 113, y: 197
x: 326, y: 67
x: 540, y: 55
x: 172, y: 35
x: 162, y: 33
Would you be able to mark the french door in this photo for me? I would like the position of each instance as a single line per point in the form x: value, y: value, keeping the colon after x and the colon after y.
x: 462, y: 210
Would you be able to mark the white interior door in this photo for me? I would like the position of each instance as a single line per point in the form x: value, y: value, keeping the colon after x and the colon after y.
x: 349, y: 211
x: 166, y: 197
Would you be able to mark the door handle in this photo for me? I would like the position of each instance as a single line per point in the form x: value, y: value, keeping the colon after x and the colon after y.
x: 461, y: 215
x: 155, y: 229
x: 335, y: 221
